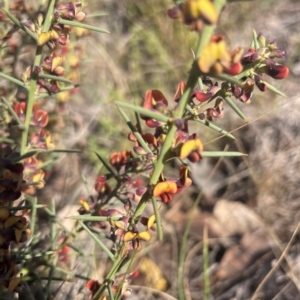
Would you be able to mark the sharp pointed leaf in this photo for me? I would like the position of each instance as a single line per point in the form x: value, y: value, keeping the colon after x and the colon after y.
x: 82, y: 25
x: 221, y: 154
x: 273, y: 89
x: 235, y: 108
x: 146, y: 112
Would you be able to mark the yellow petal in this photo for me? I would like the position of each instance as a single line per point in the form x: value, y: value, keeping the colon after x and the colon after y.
x: 151, y: 221
x: 207, y: 11
x: 54, y: 35
x: 129, y: 236
x: 190, y: 11
x: 145, y: 236
x: 57, y: 61
x: 73, y: 61
x: 190, y: 146
x: 44, y: 37
x: 208, y: 58
x: 223, y: 54
x: 164, y: 187
x: 118, y: 224
x: 63, y: 96
x: 199, y: 9
x: 84, y: 204
x: 49, y: 144
x: 39, y: 178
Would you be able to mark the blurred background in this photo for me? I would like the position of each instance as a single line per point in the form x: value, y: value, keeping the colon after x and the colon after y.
x: 250, y: 206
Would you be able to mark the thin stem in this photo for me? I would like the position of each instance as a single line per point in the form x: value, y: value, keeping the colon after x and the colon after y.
x: 30, y: 102
x: 6, y: 5
x: 34, y: 78
x: 110, y: 276
x: 12, y: 79
x: 82, y: 25
x: 157, y: 219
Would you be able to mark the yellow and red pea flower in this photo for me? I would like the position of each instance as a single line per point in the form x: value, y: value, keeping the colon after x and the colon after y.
x: 157, y: 102
x: 41, y: 140
x: 45, y: 37
x: 121, y: 223
x: 93, y: 286
x: 32, y: 175
x: 53, y: 64
x: 205, y: 95
x: 191, y: 149
x: 150, y: 139
x: 85, y: 207
x: 184, y: 179
x: 120, y: 159
x: 101, y: 185
x: 216, y: 58
x: 135, y: 239
x: 194, y: 13
x: 165, y: 190
x: 39, y: 117
x: 70, y: 11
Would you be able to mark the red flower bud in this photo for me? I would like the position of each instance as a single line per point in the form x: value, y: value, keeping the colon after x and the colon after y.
x: 259, y: 83
x: 277, y: 71
x: 234, y: 69
x: 202, y: 97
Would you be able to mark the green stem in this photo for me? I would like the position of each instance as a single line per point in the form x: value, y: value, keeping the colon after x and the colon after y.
x: 109, y: 277
x: 34, y: 78
x: 30, y: 102
x: 6, y: 5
